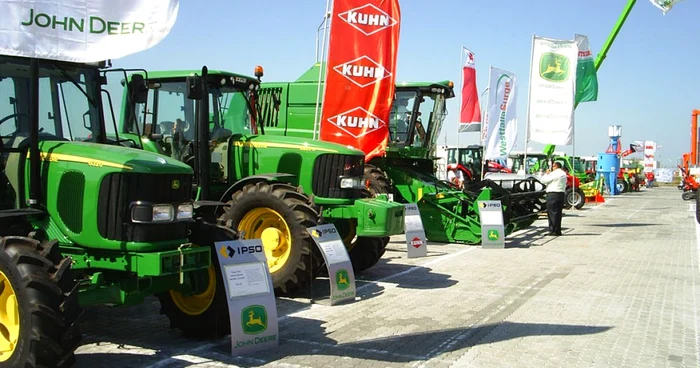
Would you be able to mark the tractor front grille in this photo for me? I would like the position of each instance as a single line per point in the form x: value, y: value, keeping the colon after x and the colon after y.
x: 330, y: 168
x: 119, y: 190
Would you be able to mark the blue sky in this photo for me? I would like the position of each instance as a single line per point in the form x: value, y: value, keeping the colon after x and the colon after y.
x: 647, y: 82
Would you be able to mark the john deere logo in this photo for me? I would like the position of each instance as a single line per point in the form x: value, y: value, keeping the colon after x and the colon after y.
x: 175, y: 184
x: 493, y: 234
x: 342, y: 279
x: 554, y: 67
x: 254, y: 319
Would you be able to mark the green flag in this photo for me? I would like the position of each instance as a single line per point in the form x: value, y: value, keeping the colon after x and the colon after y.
x: 586, y: 77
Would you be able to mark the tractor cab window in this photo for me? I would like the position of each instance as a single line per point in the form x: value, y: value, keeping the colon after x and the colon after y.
x: 229, y: 113
x: 68, y: 102
x: 400, y: 118
x: 428, y: 123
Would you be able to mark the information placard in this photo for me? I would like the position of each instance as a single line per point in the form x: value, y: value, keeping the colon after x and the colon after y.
x: 492, y: 229
x: 340, y: 273
x: 251, y: 299
x: 415, y: 233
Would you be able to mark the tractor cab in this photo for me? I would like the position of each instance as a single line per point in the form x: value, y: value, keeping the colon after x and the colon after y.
x: 417, y: 115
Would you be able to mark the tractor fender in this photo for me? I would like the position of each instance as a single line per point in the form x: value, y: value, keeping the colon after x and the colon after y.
x: 248, y: 180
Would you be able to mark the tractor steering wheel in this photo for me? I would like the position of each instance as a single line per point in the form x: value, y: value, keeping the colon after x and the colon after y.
x: 8, y: 117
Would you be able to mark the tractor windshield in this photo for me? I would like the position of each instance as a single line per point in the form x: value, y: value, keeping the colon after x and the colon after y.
x: 416, y: 118
x: 68, y: 102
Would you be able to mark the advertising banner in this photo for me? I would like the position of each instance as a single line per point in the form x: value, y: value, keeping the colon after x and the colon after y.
x: 501, y: 128
x: 83, y: 31
x: 361, y: 74
x: 649, y: 156
x: 552, y: 91
x: 470, y: 111
x: 586, y: 76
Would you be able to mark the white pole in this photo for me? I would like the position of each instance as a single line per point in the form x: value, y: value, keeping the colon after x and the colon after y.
x: 320, y: 71
x: 573, y: 148
x: 459, y: 94
x: 529, y: 95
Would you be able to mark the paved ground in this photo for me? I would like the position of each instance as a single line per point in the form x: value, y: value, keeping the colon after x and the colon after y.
x: 621, y: 288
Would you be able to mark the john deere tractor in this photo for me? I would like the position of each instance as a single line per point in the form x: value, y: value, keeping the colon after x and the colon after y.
x: 267, y: 186
x: 407, y: 170
x: 85, y: 220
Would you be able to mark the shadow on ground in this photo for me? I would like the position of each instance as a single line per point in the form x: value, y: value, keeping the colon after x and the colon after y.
x: 303, y: 337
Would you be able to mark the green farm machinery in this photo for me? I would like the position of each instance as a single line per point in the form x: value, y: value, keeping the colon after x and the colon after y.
x: 87, y: 221
x: 265, y: 186
x: 407, y: 171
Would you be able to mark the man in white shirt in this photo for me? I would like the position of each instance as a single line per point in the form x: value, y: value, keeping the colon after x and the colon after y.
x: 556, y: 187
x: 454, y: 175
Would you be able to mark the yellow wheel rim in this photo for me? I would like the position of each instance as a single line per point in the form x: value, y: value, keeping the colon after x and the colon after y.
x: 197, y: 304
x: 9, y: 319
x: 268, y: 225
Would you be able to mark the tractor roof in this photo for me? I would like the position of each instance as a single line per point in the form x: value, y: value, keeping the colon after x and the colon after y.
x: 167, y: 74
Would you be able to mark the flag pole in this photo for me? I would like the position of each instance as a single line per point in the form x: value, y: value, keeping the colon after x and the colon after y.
x: 326, y: 20
x: 461, y: 78
x: 529, y: 95
x: 484, y: 128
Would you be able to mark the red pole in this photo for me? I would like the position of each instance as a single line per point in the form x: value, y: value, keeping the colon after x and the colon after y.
x: 694, y: 138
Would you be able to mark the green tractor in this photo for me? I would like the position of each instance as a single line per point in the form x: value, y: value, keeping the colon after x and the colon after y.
x: 85, y: 220
x: 407, y: 171
x: 267, y: 186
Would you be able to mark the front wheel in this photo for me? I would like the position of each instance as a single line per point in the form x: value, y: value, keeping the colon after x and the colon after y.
x: 575, y: 198
x: 38, y: 317
x: 202, y: 315
x: 688, y: 195
x: 279, y: 215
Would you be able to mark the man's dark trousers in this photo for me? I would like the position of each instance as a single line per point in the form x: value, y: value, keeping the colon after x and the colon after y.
x: 555, y: 205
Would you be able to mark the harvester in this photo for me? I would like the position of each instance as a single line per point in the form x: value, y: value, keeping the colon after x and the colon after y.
x: 87, y: 221
x: 267, y: 186
x: 407, y: 170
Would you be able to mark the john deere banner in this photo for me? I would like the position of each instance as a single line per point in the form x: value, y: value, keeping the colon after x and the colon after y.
x: 470, y: 112
x: 665, y: 5
x: 361, y: 74
x: 586, y: 76
x: 552, y: 91
x: 501, y: 122
x: 83, y: 31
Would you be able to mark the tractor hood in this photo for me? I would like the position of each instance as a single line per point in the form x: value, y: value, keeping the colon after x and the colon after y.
x: 117, y: 157
x: 301, y: 144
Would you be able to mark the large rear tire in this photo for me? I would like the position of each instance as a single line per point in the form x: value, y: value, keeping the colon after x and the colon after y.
x: 39, y: 298
x: 203, y: 315
x: 279, y: 215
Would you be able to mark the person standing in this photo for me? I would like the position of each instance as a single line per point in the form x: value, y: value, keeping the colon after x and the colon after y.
x: 556, y: 188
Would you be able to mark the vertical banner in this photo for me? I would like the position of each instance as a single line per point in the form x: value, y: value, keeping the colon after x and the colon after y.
x: 552, y: 91
x: 361, y: 75
x: 501, y: 131
x: 649, y: 156
x: 470, y: 112
x: 84, y: 31
x: 586, y: 76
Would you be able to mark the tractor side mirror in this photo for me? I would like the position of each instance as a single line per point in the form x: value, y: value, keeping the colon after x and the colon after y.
x: 138, y: 89
x: 195, y: 88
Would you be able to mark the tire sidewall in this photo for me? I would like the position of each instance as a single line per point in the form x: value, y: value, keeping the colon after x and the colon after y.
x: 21, y: 352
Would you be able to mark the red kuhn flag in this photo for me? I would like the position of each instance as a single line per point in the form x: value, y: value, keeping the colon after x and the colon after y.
x: 470, y: 112
x: 361, y: 74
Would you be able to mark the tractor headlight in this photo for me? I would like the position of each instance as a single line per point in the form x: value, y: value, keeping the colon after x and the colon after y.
x: 351, y: 183
x: 162, y: 213
x: 185, y: 211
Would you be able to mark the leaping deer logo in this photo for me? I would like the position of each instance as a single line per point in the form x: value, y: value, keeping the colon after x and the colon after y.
x: 554, y: 67
x: 341, y: 279
x: 252, y: 321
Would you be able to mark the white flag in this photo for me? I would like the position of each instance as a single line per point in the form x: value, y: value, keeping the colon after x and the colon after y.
x: 84, y: 31
x: 552, y: 91
x: 665, y: 5
x: 501, y: 128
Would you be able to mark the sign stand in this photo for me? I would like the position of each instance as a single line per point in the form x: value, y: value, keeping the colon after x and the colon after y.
x: 250, y: 294
x: 340, y: 273
x: 415, y: 233
x: 491, y: 216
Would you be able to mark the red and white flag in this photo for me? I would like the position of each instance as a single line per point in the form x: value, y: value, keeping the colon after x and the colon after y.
x: 361, y: 74
x: 470, y: 112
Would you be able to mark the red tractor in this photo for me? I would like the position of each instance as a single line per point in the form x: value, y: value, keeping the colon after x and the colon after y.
x: 469, y: 161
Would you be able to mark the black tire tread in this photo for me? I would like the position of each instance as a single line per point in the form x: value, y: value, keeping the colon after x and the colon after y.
x: 47, y: 292
x: 302, y: 212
